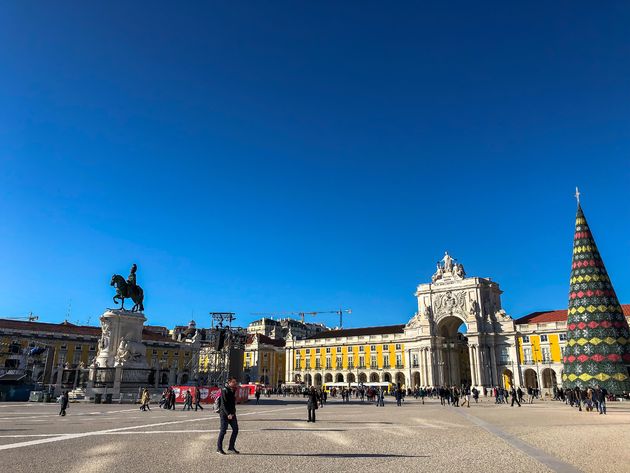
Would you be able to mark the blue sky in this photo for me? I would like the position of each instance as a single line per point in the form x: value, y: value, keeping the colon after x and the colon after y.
x: 272, y: 156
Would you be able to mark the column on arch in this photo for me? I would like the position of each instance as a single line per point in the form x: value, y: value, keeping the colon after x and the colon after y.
x: 473, y: 367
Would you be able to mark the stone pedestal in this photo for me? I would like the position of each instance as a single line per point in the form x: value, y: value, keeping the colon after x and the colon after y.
x: 121, y: 340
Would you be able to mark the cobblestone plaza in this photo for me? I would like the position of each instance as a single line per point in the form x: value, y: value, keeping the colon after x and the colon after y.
x: 274, y: 436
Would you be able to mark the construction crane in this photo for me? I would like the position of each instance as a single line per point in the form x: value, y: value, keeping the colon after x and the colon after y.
x: 302, y: 315
x: 30, y: 317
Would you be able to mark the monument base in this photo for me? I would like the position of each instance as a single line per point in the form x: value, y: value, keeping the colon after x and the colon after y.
x: 121, y: 340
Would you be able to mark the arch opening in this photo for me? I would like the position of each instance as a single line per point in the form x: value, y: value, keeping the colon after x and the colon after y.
x: 454, y: 359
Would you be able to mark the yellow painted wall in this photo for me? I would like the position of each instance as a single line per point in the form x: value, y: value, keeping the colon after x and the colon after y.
x: 556, y: 352
x: 536, y: 353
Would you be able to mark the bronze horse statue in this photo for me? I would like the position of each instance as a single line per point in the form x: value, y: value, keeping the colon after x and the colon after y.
x: 124, y: 290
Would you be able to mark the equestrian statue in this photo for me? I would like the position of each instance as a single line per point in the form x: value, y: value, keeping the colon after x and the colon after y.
x: 128, y: 290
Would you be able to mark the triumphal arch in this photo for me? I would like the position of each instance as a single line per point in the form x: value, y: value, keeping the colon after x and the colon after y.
x: 461, y: 333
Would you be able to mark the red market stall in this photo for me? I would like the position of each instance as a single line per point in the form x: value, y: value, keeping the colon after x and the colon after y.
x: 208, y: 394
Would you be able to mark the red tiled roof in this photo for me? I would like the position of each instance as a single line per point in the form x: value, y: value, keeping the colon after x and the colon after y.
x: 353, y: 332
x: 66, y: 328
x: 555, y: 316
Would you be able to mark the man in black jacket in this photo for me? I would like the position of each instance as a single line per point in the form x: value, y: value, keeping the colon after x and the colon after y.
x: 312, y: 403
x: 227, y: 414
x: 64, y: 403
x: 198, y: 399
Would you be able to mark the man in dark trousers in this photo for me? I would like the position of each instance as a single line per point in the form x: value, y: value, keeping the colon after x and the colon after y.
x: 198, y: 399
x: 398, y: 394
x: 514, y: 397
x: 64, y: 403
x: 312, y: 403
x: 227, y: 414
x: 171, y: 399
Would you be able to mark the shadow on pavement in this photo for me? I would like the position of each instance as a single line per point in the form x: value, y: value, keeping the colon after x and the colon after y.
x: 336, y: 455
x: 308, y: 430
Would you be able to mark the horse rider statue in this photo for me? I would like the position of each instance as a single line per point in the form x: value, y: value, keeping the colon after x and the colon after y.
x: 128, y: 290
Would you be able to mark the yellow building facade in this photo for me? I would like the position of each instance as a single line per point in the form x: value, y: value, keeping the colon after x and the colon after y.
x: 66, y: 350
x: 541, y: 339
x: 264, y: 360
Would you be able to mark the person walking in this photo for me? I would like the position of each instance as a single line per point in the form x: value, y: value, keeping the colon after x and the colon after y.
x: 398, y: 394
x: 187, y: 401
x: 530, y: 395
x: 144, y: 400
x: 227, y: 415
x: 514, y: 397
x: 257, y: 395
x: 171, y: 399
x: 163, y: 402
x: 601, y: 394
x: 198, y: 399
x: 63, y: 400
x: 312, y: 403
x: 466, y: 396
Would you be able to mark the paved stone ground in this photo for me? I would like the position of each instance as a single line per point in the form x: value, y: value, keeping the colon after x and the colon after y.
x: 547, y: 436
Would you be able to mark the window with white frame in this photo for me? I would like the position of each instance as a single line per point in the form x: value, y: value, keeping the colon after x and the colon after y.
x: 544, y: 338
x: 546, y: 355
x: 563, y: 337
x: 525, y: 339
x: 527, y: 355
x: 398, y: 360
x: 385, y: 361
x: 398, y: 346
x: 504, y: 355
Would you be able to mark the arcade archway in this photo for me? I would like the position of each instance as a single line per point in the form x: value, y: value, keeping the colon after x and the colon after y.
x: 549, y: 379
x: 531, y: 379
x: 415, y: 379
x: 508, y: 379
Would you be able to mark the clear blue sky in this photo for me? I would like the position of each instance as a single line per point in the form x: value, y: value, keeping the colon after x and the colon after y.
x: 265, y: 156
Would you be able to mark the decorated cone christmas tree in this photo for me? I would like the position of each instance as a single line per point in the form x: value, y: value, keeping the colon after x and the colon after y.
x: 598, y: 346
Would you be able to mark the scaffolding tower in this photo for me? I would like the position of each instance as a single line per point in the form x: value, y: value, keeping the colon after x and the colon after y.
x: 226, y: 343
